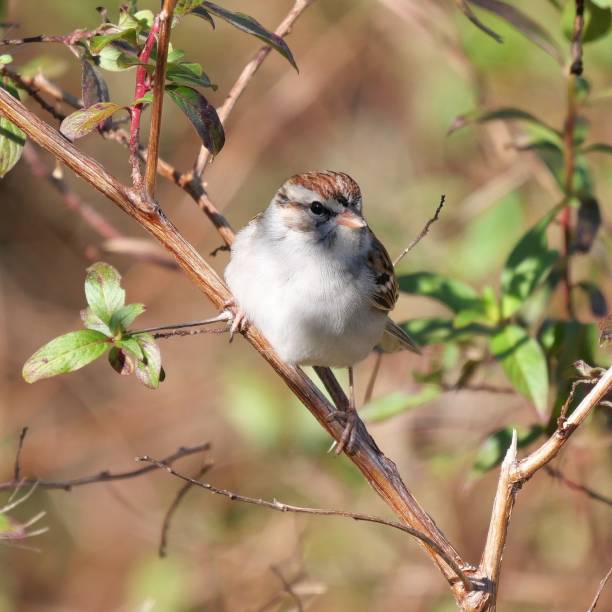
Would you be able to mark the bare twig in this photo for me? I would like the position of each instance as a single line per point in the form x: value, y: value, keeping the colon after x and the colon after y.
x: 282, y: 507
x: 165, y: 24
x: 372, y: 381
x: 104, y: 476
x: 602, y: 585
x: 223, y: 317
x: 17, y: 468
x: 576, y: 486
x: 288, y: 588
x: 248, y: 72
x: 67, y: 39
x: 163, y: 540
x: 423, y: 232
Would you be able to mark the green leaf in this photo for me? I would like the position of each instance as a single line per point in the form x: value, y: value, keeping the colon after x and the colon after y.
x: 103, y: 290
x: 388, y: 406
x: 5, y: 59
x: 131, y: 345
x: 12, y: 139
x: 65, y: 354
x: 437, y: 330
x: 115, y: 59
x: 251, y: 26
x: 201, y: 114
x: 121, y: 361
x: 494, y: 448
x: 83, y: 121
x: 532, y: 30
x: 587, y: 225
x: 125, y: 316
x: 527, y: 265
x: 98, y: 43
x: 506, y: 114
x: 188, y: 73
x: 598, y: 147
x: 186, y: 6
x: 524, y: 363
x: 452, y: 293
x: 597, y: 20
x: 93, y: 321
x: 466, y: 9
x: 204, y: 14
x: 148, y: 371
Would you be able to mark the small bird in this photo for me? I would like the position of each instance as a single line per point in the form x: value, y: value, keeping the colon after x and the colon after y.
x: 311, y: 275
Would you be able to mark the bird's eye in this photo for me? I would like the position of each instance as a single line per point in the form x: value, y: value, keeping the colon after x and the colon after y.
x: 317, y: 208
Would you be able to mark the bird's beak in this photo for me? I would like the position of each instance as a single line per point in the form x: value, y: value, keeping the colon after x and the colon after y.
x: 350, y: 219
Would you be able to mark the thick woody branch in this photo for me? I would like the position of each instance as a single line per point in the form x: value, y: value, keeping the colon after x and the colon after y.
x: 379, y: 471
x: 165, y: 24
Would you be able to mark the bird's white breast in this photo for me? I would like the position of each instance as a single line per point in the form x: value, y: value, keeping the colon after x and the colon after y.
x: 312, y: 309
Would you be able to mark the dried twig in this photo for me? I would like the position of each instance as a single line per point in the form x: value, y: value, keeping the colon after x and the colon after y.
x: 104, y: 476
x: 600, y: 589
x: 576, y: 486
x: 288, y: 588
x: 163, y: 540
x: 282, y: 507
x: 423, y: 232
x: 17, y: 468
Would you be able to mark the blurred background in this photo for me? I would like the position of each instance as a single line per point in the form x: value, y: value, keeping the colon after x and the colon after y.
x: 380, y: 83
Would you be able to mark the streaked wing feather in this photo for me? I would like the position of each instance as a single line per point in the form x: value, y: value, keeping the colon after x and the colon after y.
x: 386, y: 289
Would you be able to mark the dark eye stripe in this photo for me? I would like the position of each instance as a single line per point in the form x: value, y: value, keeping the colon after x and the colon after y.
x: 342, y: 200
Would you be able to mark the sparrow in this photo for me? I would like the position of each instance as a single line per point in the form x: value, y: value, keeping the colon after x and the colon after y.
x: 311, y: 275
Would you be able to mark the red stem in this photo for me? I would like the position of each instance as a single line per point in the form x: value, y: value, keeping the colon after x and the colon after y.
x: 142, y: 86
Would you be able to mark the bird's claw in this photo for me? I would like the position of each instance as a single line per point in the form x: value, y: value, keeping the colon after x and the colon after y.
x: 238, y: 321
x: 347, y: 439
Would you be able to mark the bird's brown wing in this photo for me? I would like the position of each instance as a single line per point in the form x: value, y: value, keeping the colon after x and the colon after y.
x: 386, y: 290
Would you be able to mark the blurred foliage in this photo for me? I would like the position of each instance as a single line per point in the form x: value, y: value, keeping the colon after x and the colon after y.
x: 377, y: 90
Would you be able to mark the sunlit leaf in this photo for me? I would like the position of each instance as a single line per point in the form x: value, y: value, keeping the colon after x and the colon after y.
x: 495, y: 447
x: 523, y: 24
x: 65, y: 354
x: 123, y: 317
x: 98, y: 43
x: 132, y: 346
x: 251, y: 26
x: 452, y: 293
x: 524, y: 363
x: 527, y: 265
x: 5, y: 58
x: 85, y: 120
x: 12, y: 139
x: 388, y: 406
x: 148, y: 370
x: 201, y: 114
x: 188, y: 73
x: 506, y: 114
x: 93, y: 321
x: 115, y: 59
x: 103, y: 290
x: 587, y: 225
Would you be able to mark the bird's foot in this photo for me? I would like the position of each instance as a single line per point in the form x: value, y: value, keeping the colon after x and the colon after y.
x: 347, y: 439
x: 238, y: 321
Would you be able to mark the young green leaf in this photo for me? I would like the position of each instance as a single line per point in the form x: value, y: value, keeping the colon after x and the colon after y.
x: 103, y: 290
x: 598, y: 147
x: 12, y: 139
x: 527, y: 265
x: 506, y: 114
x: 494, y: 448
x: 132, y: 346
x: 65, y: 354
x: 251, y: 26
x: 98, y: 43
x: 188, y: 73
x: 5, y: 59
x: 524, y: 363
x: 452, y: 293
x: 121, y: 361
x: 93, y: 321
x: 115, y: 59
x: 388, y: 406
x: 529, y: 28
x: 86, y: 120
x: 201, y: 114
x: 125, y: 316
x: 587, y: 225
x: 149, y: 370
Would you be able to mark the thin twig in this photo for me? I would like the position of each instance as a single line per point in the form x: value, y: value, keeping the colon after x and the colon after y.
x: 104, y: 476
x: 224, y: 316
x: 67, y: 39
x: 602, y: 584
x: 165, y: 25
x: 288, y: 588
x: 163, y: 540
x: 248, y: 72
x: 576, y: 486
x: 423, y: 233
x: 282, y: 507
x: 372, y: 381
x: 17, y: 468
x: 187, y: 332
